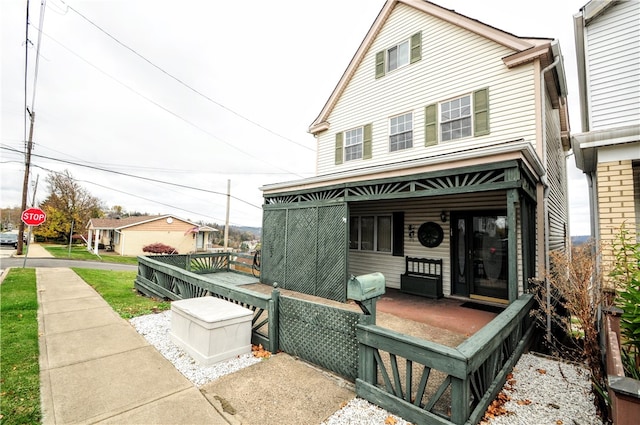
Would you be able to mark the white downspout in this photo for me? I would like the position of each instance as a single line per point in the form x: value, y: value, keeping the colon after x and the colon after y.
x: 545, y: 196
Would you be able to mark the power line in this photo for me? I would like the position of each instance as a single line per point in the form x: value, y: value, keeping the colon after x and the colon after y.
x: 134, y: 195
x: 182, y: 82
x: 231, y: 145
x: 133, y: 176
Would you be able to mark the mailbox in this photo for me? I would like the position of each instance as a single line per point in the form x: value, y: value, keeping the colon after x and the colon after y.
x: 366, y: 286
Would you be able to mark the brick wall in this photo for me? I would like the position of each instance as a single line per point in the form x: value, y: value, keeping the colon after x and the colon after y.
x: 616, y: 205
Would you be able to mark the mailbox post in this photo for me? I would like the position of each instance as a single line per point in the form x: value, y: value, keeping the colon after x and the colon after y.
x: 365, y: 290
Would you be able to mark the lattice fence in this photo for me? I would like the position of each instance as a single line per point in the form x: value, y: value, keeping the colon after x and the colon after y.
x: 320, y: 334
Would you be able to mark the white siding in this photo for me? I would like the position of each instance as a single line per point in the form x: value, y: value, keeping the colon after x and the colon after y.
x: 418, y: 211
x: 613, y: 66
x: 454, y: 62
x: 557, y: 179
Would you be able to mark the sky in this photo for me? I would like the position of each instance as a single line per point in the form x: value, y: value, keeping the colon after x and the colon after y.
x: 210, y: 96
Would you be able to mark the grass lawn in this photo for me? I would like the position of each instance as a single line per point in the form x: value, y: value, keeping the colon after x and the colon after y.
x: 19, y: 366
x: 116, y: 287
x: 79, y: 252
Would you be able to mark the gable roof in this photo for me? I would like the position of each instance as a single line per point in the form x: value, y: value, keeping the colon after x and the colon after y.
x: 122, y: 223
x: 536, y: 47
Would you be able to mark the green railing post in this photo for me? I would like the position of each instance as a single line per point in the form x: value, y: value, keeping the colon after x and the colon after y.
x: 188, y: 264
x: 274, y: 320
x: 460, y: 399
x: 366, y: 362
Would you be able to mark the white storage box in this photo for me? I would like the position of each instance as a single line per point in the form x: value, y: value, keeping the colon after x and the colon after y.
x: 210, y: 329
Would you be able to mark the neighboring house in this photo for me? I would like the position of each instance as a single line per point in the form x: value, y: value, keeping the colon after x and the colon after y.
x: 127, y: 236
x: 445, y: 139
x: 607, y: 36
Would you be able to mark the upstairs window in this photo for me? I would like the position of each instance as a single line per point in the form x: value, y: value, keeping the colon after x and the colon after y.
x: 455, y: 118
x: 353, y: 144
x: 458, y: 118
x: 402, y: 54
x: 401, y: 132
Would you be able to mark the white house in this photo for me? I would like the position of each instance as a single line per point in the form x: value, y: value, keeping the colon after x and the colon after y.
x: 444, y: 139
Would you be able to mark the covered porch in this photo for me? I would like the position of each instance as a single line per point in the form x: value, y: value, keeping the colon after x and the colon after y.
x: 479, y: 217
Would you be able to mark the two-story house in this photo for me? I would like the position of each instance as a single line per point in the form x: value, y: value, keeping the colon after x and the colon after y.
x: 607, y: 36
x: 445, y: 139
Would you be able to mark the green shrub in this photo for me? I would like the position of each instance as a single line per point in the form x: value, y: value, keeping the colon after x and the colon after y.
x: 626, y: 277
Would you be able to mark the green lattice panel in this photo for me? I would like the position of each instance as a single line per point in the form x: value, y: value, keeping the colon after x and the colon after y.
x: 302, y: 226
x: 320, y: 334
x: 332, y: 252
x: 272, y: 268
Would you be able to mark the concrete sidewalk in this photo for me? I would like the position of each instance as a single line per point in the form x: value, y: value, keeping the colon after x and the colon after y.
x: 95, y: 367
x: 34, y: 250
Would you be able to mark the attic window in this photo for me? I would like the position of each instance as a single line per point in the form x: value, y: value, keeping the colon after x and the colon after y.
x: 400, y: 55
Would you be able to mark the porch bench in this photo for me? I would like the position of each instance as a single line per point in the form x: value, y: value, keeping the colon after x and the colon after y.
x: 422, y: 276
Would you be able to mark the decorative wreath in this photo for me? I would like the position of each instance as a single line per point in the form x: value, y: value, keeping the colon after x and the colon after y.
x: 430, y: 234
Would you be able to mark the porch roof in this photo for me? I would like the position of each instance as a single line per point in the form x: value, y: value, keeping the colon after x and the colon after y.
x: 484, y: 156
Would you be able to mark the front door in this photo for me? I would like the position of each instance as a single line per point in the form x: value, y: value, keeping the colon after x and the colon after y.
x: 480, y: 255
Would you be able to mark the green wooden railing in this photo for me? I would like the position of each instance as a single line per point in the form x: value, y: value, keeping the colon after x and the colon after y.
x: 209, y: 262
x: 168, y: 277
x: 436, y: 384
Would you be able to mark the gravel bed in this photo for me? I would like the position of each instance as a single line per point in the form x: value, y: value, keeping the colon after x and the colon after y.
x: 547, y: 391
x: 543, y: 390
x: 156, y: 327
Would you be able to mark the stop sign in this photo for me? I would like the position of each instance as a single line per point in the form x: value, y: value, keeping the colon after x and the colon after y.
x: 33, y: 216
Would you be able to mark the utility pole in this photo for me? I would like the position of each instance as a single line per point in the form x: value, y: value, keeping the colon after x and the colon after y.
x: 25, y: 182
x: 226, y: 224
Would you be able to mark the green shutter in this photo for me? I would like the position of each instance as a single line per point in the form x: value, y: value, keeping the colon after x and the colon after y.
x: 339, y: 151
x: 481, y: 112
x: 398, y: 234
x: 366, y: 142
x: 380, y: 67
x: 416, y: 47
x: 431, y: 125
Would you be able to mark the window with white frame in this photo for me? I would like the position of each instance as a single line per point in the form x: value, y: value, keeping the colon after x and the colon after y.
x: 398, y: 56
x: 401, y: 132
x: 455, y: 118
x: 353, y: 144
x: 370, y: 233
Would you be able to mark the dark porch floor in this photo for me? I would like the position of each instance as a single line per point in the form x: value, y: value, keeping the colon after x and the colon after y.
x: 446, y: 320
x: 446, y: 313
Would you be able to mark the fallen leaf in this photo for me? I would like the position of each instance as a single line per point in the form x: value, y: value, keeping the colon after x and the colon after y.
x: 559, y: 422
x: 390, y: 420
x: 541, y: 371
x: 524, y: 402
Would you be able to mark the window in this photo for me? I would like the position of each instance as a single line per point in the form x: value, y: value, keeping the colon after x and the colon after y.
x: 398, y: 56
x: 370, y: 233
x: 402, y: 54
x: 357, y: 144
x: 401, y: 132
x: 455, y: 118
x: 353, y: 144
x: 452, y: 120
